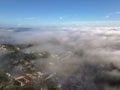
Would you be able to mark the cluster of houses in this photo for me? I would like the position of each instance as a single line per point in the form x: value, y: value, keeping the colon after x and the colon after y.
x: 20, y: 81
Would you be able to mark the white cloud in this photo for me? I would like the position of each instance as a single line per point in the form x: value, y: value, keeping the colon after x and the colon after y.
x: 110, y: 15
x: 61, y: 18
x: 107, y: 16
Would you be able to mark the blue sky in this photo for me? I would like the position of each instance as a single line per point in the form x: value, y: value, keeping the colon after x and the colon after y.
x: 46, y: 12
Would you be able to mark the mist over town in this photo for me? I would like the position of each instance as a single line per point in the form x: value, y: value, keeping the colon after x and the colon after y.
x: 84, y: 58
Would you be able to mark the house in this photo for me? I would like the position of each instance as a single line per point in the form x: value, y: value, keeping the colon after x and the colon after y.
x: 21, y: 81
x: 3, y: 47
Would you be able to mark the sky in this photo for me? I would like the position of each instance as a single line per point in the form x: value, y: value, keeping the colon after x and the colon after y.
x: 48, y: 12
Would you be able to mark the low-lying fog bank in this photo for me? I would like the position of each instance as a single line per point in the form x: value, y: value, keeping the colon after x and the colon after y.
x: 81, y: 58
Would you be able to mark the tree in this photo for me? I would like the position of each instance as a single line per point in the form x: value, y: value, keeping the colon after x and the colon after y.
x: 5, y: 82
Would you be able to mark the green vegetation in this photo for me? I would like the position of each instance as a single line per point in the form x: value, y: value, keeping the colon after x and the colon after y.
x: 10, y: 47
x: 28, y: 87
x: 6, y: 82
x: 18, y: 57
x: 3, y: 77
